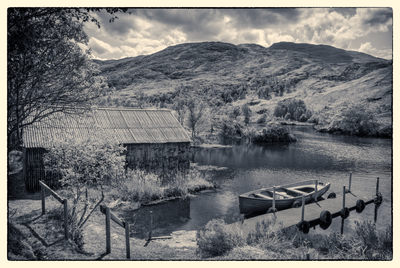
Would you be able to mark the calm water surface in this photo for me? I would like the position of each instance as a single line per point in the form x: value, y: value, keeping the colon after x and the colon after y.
x: 314, y: 156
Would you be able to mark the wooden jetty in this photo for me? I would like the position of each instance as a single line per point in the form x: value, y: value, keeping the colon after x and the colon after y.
x: 316, y: 213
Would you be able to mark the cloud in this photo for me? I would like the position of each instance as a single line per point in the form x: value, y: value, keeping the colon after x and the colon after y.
x: 149, y: 30
x: 369, y: 49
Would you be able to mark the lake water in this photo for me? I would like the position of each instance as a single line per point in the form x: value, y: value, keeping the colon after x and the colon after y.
x: 314, y: 156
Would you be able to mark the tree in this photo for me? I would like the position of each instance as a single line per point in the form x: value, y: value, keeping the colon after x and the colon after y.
x: 47, y: 70
x: 247, y: 113
x: 195, y: 109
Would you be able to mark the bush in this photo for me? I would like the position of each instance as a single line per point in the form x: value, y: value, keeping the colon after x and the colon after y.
x: 357, y: 121
x: 230, y: 130
x: 92, y: 162
x: 271, y: 134
x: 217, y: 238
x: 292, y: 109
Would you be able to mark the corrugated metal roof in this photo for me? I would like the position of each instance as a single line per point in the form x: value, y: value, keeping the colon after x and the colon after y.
x: 122, y: 125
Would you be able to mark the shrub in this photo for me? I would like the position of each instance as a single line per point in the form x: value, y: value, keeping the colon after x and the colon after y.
x: 292, y: 109
x: 230, y: 130
x: 271, y: 134
x: 92, y: 162
x: 217, y: 238
x: 357, y: 121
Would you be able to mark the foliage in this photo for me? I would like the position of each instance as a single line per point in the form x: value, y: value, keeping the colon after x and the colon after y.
x: 270, y: 134
x: 246, y: 113
x: 92, y: 162
x: 140, y: 186
x: 47, y: 69
x: 357, y: 121
x: 262, y: 119
x: 195, y: 114
x: 217, y: 238
x: 292, y: 109
x: 229, y: 130
x: 143, y: 187
x: 15, y: 162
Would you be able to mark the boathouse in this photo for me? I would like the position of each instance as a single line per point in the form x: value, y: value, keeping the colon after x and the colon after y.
x: 155, y: 140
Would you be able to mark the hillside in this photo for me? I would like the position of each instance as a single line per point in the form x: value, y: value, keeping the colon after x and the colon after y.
x: 328, y: 79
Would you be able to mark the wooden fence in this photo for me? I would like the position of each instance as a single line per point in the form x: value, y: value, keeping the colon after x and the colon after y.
x: 43, y: 189
x: 110, y: 216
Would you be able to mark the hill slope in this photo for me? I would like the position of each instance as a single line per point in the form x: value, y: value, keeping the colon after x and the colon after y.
x: 328, y: 79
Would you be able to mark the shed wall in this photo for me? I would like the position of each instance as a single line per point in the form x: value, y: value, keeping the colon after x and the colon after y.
x: 163, y: 159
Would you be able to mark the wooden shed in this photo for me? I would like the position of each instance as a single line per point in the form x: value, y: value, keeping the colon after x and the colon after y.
x: 155, y: 140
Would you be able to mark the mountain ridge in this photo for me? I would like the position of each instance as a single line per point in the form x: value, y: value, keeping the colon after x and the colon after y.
x: 226, y: 74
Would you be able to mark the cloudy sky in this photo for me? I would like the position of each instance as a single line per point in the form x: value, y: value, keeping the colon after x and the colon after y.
x: 146, y: 31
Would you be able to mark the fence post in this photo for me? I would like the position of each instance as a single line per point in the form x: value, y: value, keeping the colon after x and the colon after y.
x: 128, y: 246
x: 303, y: 202
x: 151, y: 224
x: 43, y: 196
x: 108, y: 231
x: 65, y: 202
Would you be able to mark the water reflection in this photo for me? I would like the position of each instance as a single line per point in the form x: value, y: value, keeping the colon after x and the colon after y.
x: 167, y: 216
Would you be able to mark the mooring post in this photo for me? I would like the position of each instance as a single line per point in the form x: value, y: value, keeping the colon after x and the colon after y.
x: 108, y: 231
x: 350, y: 182
x: 316, y: 190
x: 65, y: 203
x: 273, y: 199
x: 303, y: 202
x: 127, y: 242
x: 43, y: 195
x: 344, y: 197
x: 377, y: 186
x: 151, y: 224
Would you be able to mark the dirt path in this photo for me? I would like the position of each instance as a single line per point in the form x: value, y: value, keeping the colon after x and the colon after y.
x: 45, y: 237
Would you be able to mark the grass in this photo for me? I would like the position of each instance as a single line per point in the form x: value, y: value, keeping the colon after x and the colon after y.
x: 366, y: 243
x: 145, y: 187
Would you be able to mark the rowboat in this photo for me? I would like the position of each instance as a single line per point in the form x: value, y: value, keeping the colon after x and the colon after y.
x: 286, y: 196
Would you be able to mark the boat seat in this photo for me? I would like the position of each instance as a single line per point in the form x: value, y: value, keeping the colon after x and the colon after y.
x: 283, y: 194
x: 297, y: 191
x: 262, y: 196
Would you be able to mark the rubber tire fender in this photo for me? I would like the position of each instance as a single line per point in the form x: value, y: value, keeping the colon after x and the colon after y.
x: 360, y: 205
x: 331, y: 195
x: 304, y: 226
x: 296, y: 204
x: 325, y: 217
x: 345, y: 212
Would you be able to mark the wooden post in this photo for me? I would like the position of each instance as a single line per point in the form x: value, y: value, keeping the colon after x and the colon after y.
x: 273, y: 199
x: 108, y: 231
x: 316, y: 190
x: 350, y: 182
x: 65, y: 202
x: 303, y: 202
x: 127, y: 243
x: 43, y: 195
x: 377, y: 186
x: 344, y: 197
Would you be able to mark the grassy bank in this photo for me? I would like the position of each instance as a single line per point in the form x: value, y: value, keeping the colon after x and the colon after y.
x: 218, y: 241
